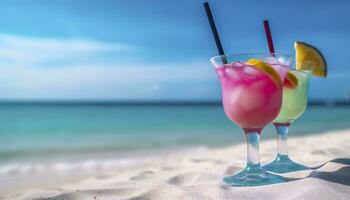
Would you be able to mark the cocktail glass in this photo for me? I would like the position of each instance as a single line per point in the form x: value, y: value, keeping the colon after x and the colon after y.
x: 293, y: 106
x: 252, y: 99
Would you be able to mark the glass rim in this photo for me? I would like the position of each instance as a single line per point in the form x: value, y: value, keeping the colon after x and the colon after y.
x: 249, y: 53
x: 307, y: 72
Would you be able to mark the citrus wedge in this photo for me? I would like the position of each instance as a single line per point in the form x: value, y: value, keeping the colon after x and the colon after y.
x: 291, y: 81
x: 267, y: 69
x: 308, y: 57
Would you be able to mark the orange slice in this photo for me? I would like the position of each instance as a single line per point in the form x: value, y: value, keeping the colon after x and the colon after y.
x: 308, y: 57
x: 267, y: 69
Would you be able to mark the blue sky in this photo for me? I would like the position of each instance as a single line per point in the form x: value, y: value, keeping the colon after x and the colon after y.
x: 143, y: 50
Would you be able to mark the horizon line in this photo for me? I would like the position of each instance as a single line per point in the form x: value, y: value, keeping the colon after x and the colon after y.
x: 312, y: 102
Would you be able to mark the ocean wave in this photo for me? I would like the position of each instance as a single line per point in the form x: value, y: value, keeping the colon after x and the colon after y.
x: 21, y: 168
x: 92, y: 165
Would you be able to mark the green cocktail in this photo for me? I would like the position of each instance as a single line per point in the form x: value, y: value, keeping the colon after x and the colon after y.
x: 295, y: 90
x: 294, y: 98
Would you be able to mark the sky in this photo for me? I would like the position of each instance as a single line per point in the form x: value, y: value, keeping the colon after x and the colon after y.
x: 156, y: 49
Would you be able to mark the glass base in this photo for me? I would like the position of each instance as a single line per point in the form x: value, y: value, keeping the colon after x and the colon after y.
x: 253, y: 176
x: 283, y: 164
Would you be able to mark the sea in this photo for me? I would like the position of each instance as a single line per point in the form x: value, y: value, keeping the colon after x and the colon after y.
x: 39, y: 135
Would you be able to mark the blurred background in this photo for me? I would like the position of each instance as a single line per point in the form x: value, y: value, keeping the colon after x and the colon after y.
x: 83, y: 82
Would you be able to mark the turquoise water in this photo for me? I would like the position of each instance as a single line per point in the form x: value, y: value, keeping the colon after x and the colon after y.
x: 38, y: 133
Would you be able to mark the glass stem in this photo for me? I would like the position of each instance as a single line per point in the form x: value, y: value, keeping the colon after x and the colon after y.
x: 282, y: 136
x: 253, y: 157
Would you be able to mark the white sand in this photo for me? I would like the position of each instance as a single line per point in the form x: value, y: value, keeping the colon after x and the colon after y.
x: 198, y: 175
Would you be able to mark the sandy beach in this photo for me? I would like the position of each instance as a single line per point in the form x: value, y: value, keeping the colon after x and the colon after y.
x: 198, y: 175
x: 151, y: 100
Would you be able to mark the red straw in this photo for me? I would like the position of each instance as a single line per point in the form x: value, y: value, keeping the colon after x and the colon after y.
x: 268, y: 36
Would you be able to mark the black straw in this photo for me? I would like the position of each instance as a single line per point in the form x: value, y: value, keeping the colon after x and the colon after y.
x: 215, y: 32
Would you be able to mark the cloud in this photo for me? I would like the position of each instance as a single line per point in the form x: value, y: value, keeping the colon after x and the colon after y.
x: 35, y: 51
x: 25, y: 74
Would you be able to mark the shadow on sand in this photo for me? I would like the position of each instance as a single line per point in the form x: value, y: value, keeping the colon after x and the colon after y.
x: 340, y: 176
x: 344, y: 161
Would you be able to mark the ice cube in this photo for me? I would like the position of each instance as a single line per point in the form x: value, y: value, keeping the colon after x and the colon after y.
x: 283, y: 60
x: 220, y: 72
x: 282, y: 71
x: 239, y: 64
x: 278, y: 66
x: 229, y: 65
x: 232, y: 73
x: 258, y: 85
x: 272, y: 60
x: 235, y: 95
x: 250, y: 71
x: 251, y: 99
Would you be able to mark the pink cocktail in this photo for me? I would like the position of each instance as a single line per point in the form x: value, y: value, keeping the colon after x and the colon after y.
x: 252, y: 98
